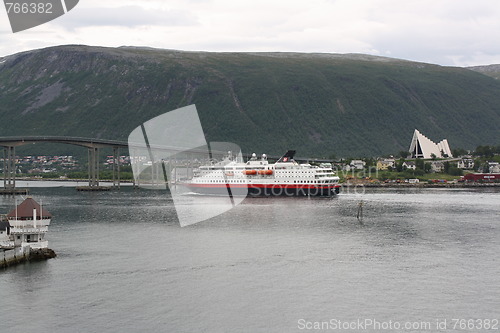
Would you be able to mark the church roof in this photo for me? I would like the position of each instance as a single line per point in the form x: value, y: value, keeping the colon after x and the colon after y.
x: 25, y: 210
x: 422, y: 147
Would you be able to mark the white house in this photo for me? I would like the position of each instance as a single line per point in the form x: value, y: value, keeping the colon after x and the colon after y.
x: 409, y: 165
x: 465, y: 163
x: 357, y: 165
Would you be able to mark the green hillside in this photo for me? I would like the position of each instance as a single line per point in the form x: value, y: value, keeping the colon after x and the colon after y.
x: 318, y: 104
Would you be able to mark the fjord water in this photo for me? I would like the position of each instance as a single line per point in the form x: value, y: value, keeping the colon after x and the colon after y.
x: 125, y: 265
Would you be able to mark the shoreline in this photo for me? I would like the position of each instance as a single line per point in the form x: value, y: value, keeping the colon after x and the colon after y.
x: 425, y: 185
x: 346, y: 184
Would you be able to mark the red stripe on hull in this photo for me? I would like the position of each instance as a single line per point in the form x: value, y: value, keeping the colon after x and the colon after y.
x: 267, y: 186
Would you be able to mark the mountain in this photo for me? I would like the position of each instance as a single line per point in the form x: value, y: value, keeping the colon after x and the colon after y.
x: 490, y: 70
x: 317, y: 104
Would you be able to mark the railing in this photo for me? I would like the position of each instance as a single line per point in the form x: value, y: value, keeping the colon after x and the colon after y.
x: 36, y: 245
x: 18, y: 230
x: 28, y: 223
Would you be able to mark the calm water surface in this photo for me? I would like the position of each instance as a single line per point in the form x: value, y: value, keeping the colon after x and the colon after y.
x: 125, y: 265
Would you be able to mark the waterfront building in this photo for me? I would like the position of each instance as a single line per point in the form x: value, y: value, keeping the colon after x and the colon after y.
x: 422, y: 147
x: 482, y: 177
x: 28, y: 224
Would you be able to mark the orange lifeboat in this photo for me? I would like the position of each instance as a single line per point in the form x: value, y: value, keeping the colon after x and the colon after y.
x: 250, y: 172
x: 269, y: 172
x: 266, y: 172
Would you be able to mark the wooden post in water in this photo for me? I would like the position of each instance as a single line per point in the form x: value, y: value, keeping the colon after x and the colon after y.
x: 359, y: 216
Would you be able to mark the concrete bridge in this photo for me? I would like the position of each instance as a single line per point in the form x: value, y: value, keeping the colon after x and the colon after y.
x: 9, y: 145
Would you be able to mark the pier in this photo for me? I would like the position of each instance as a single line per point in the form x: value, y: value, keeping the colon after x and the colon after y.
x: 19, y: 255
x: 9, y: 145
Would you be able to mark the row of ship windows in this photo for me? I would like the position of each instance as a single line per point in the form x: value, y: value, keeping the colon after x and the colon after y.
x: 229, y: 170
x: 280, y: 176
x: 295, y: 181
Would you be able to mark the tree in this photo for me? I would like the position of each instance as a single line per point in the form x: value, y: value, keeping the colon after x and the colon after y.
x: 459, y: 152
x: 369, y: 161
x: 419, y: 163
x: 485, y: 151
x: 403, y: 154
x: 399, y: 165
x: 433, y: 156
x: 454, y: 171
x: 477, y: 164
x: 427, y: 167
x: 446, y: 167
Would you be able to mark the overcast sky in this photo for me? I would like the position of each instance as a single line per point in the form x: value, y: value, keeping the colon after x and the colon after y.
x: 445, y: 32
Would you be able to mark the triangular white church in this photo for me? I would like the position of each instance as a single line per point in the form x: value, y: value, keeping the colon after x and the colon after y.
x: 422, y: 147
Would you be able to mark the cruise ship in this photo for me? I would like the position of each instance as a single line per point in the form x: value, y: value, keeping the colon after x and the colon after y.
x: 258, y: 177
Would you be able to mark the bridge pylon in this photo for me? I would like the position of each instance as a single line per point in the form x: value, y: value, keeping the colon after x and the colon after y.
x: 9, y: 167
x: 93, y: 153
